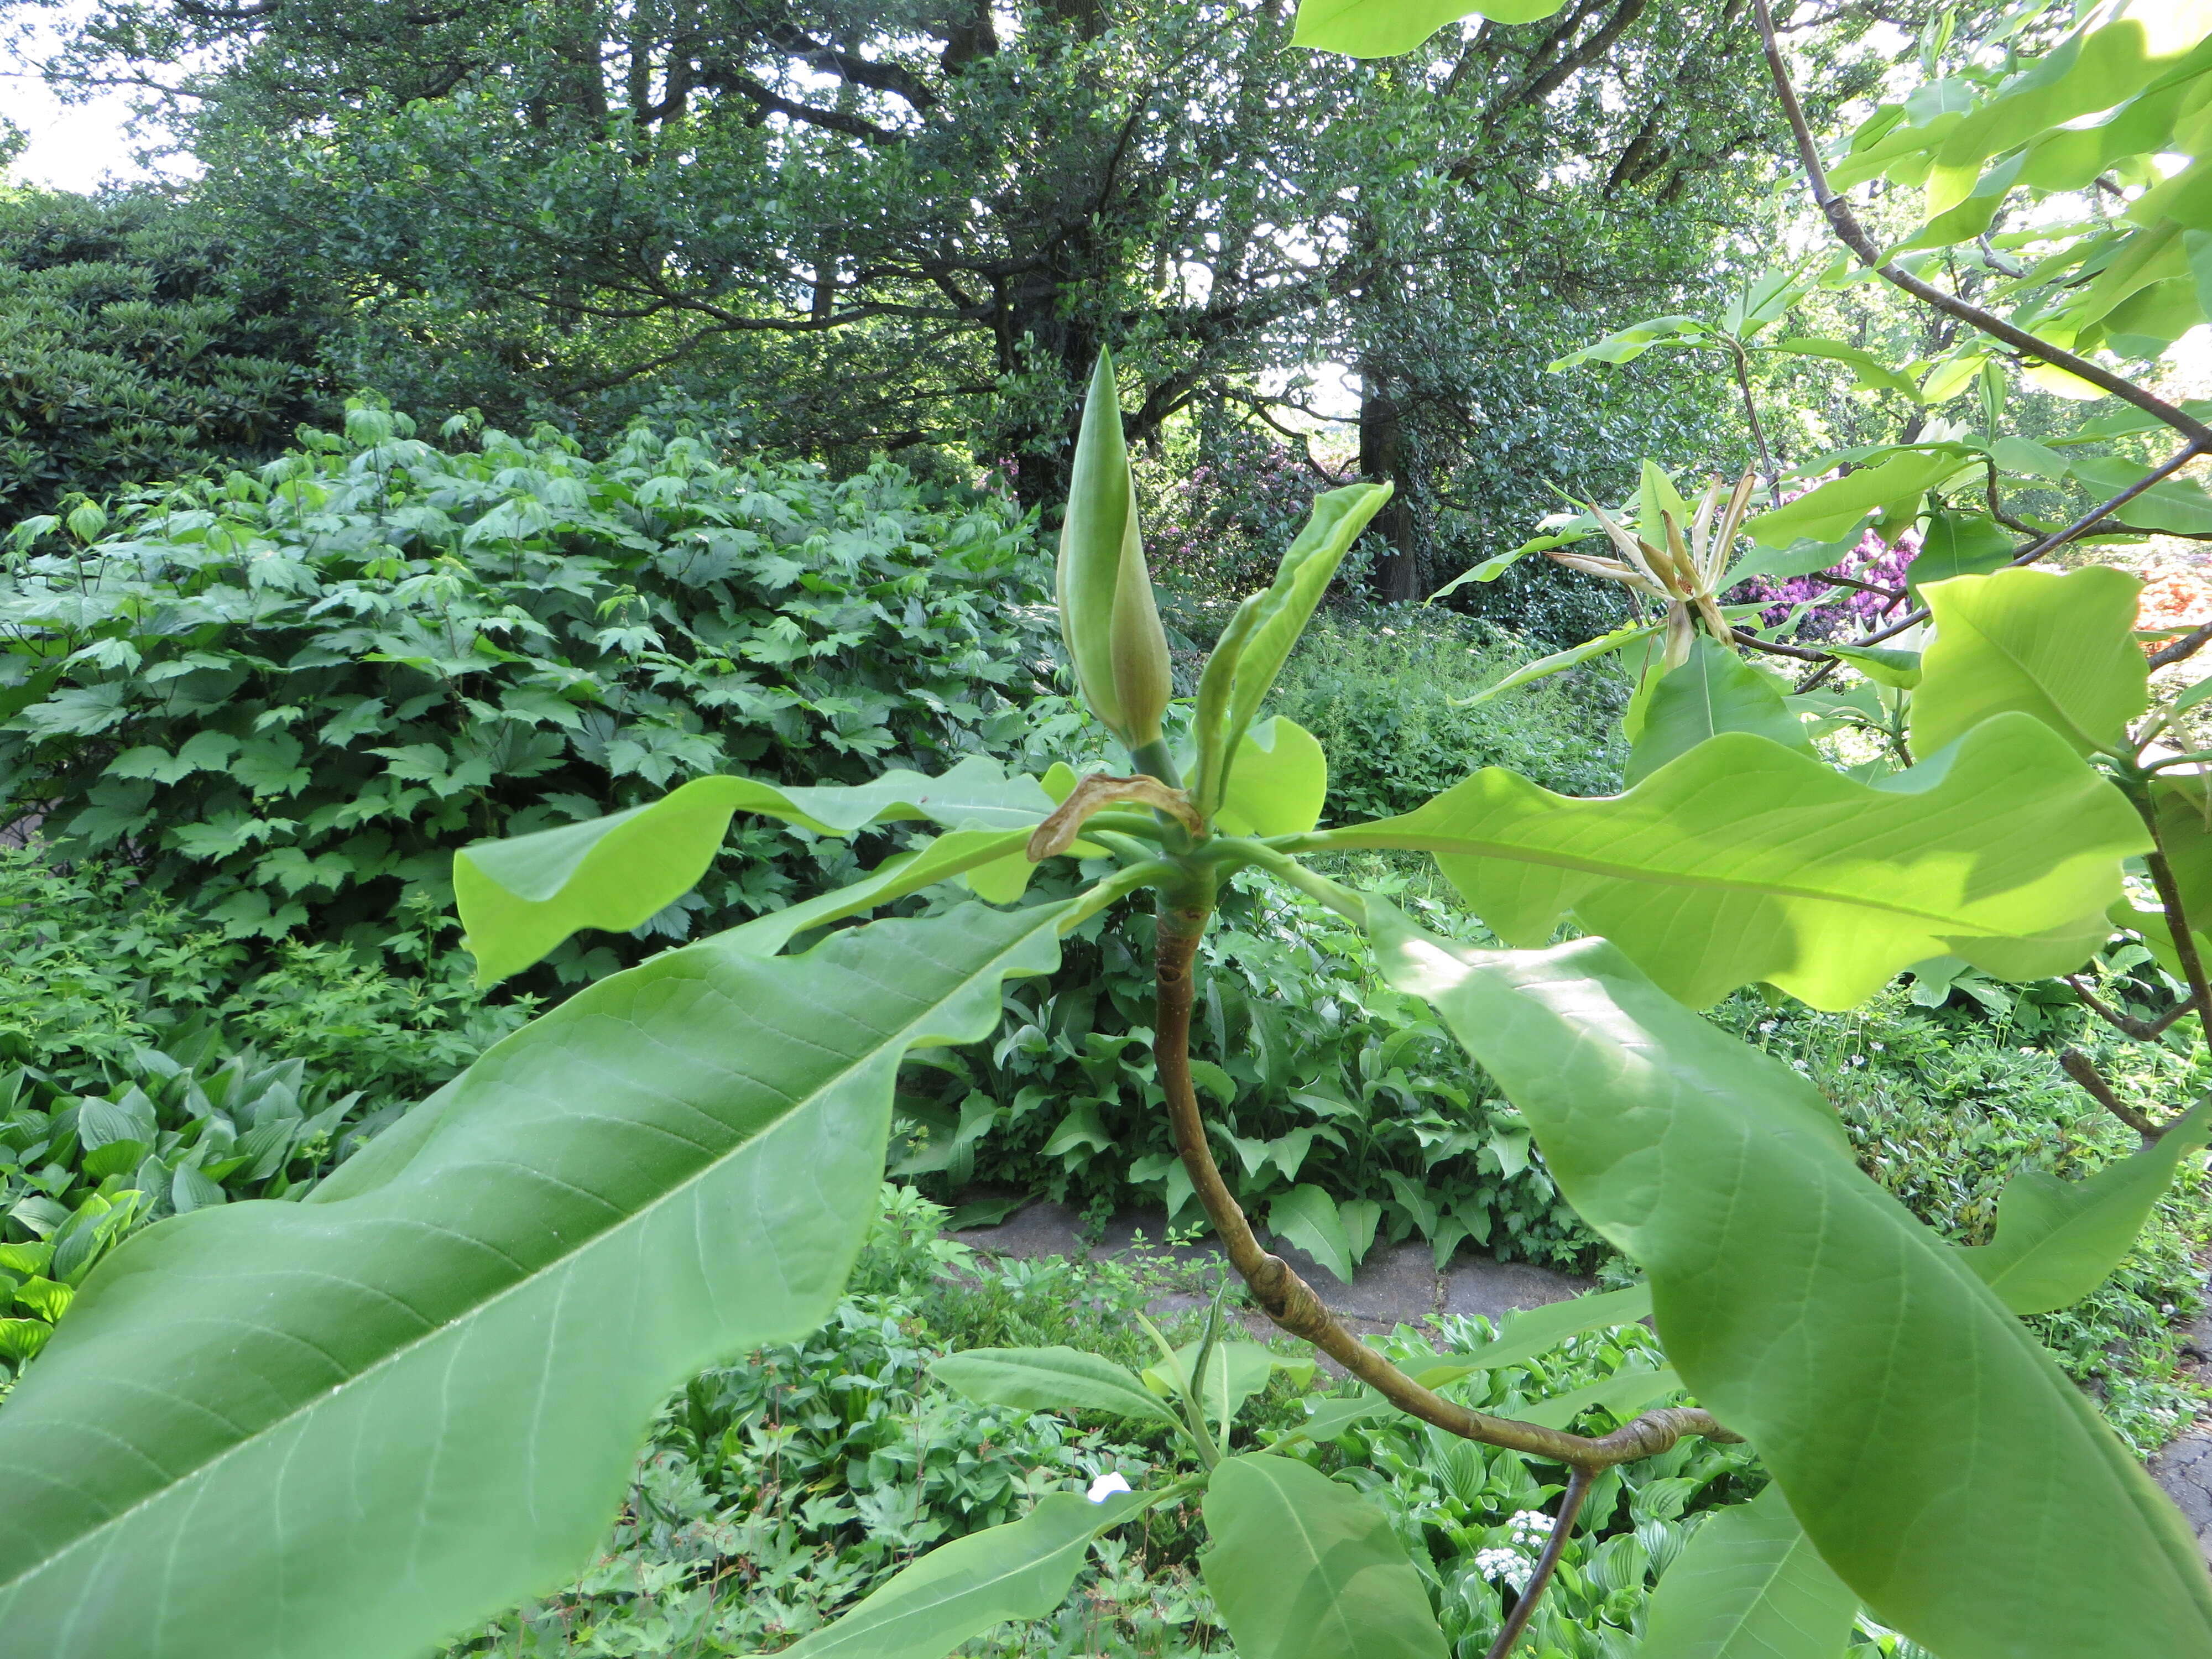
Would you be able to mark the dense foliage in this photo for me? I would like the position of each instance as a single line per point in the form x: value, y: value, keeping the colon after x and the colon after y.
x: 136, y: 344
x: 150, y: 1066
x: 287, y: 698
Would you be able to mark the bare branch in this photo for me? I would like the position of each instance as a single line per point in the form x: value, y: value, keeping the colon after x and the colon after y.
x: 2076, y: 1065
x: 1548, y: 1562
x: 1854, y: 236
x: 2183, y: 649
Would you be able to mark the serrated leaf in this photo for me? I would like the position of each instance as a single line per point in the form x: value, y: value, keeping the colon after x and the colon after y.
x: 356, y: 1425
x: 1927, y: 1443
x: 960, y: 1591
x: 2057, y: 1240
x: 1750, y: 1586
x: 1050, y: 1379
x: 519, y: 898
x: 1742, y: 861
x: 2060, y: 648
x: 1714, y: 690
x: 1303, y: 1568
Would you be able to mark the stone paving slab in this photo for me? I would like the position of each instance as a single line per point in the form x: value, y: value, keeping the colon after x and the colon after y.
x: 1397, y: 1283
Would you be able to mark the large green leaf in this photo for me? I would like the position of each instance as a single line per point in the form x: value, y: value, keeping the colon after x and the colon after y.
x: 1750, y: 1586
x: 1715, y: 690
x: 1384, y: 28
x: 1958, y: 545
x: 352, y: 1426
x: 1051, y: 1380
x: 957, y: 1592
x: 1303, y: 1568
x: 1558, y: 662
x: 1742, y: 861
x: 520, y: 897
x: 1624, y: 1393
x: 1539, y: 1330
x: 1828, y: 512
x: 2057, y: 1240
x: 2059, y: 647
x: 1278, y: 782
x: 1259, y: 639
x: 1307, y: 1216
x: 1941, y: 1462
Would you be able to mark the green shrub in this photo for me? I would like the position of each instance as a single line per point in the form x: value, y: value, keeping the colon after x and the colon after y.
x: 139, y: 1078
x: 1323, y: 1077
x: 1378, y: 689
x: 285, y: 701
x: 135, y: 346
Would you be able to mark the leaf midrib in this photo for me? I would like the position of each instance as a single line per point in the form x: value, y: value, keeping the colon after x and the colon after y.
x: 586, y: 1242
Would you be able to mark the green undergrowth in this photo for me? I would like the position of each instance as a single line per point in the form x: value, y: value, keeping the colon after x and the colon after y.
x: 149, y: 1065
x: 778, y: 1490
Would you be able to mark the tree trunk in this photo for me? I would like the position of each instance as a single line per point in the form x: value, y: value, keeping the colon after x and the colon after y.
x: 1397, y: 580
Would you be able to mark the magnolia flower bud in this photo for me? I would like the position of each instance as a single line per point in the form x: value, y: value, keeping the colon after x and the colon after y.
x: 1106, y: 611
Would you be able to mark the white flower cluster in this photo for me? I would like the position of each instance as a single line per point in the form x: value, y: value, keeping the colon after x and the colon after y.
x: 1509, y: 1566
x: 1105, y: 1486
x: 1529, y: 1528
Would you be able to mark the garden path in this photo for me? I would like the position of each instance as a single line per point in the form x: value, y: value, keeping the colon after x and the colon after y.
x: 1399, y: 1284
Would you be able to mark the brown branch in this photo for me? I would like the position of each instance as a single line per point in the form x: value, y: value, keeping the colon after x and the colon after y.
x: 1548, y: 1562
x: 2076, y: 1065
x: 1802, y: 653
x: 1854, y: 236
x: 2182, y: 649
x: 2142, y: 1030
x: 2177, y: 919
x: 1290, y: 1302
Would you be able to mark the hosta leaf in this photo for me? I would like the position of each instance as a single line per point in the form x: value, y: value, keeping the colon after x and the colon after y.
x: 352, y: 1426
x: 520, y: 897
x: 1234, y: 1372
x: 1384, y: 28
x: 2059, y: 647
x: 1742, y: 861
x: 1052, y: 1380
x: 1750, y: 1586
x: 1540, y: 1330
x: 1715, y: 690
x: 2057, y: 1240
x: 1938, y: 1459
x: 1304, y: 1568
x: 1278, y: 782
x: 957, y: 1592
x: 1307, y: 1217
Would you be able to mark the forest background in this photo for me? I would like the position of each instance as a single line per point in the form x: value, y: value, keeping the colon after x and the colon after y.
x: 834, y: 276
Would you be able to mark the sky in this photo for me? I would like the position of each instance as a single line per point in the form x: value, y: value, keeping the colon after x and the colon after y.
x: 73, y: 146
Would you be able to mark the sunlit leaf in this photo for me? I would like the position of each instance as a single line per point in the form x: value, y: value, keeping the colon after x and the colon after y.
x: 1715, y: 690
x: 1742, y: 861
x: 1384, y: 28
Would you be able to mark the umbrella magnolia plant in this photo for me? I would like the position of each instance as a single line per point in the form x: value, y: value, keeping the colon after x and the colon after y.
x: 352, y: 1425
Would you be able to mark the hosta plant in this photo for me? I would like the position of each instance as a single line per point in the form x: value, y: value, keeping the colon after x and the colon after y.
x: 354, y: 1424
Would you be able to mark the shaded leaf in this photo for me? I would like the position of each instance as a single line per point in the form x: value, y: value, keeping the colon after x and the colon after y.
x: 1537, y: 1331
x: 1715, y: 690
x: 1750, y: 1586
x: 354, y: 1425
x: 1304, y: 1568
x: 1925, y: 1441
x: 957, y: 1592
x: 2057, y: 1240
x: 1050, y: 1379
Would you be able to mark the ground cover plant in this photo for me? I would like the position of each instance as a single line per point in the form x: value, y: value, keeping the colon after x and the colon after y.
x: 298, y: 1425
x: 286, y: 699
